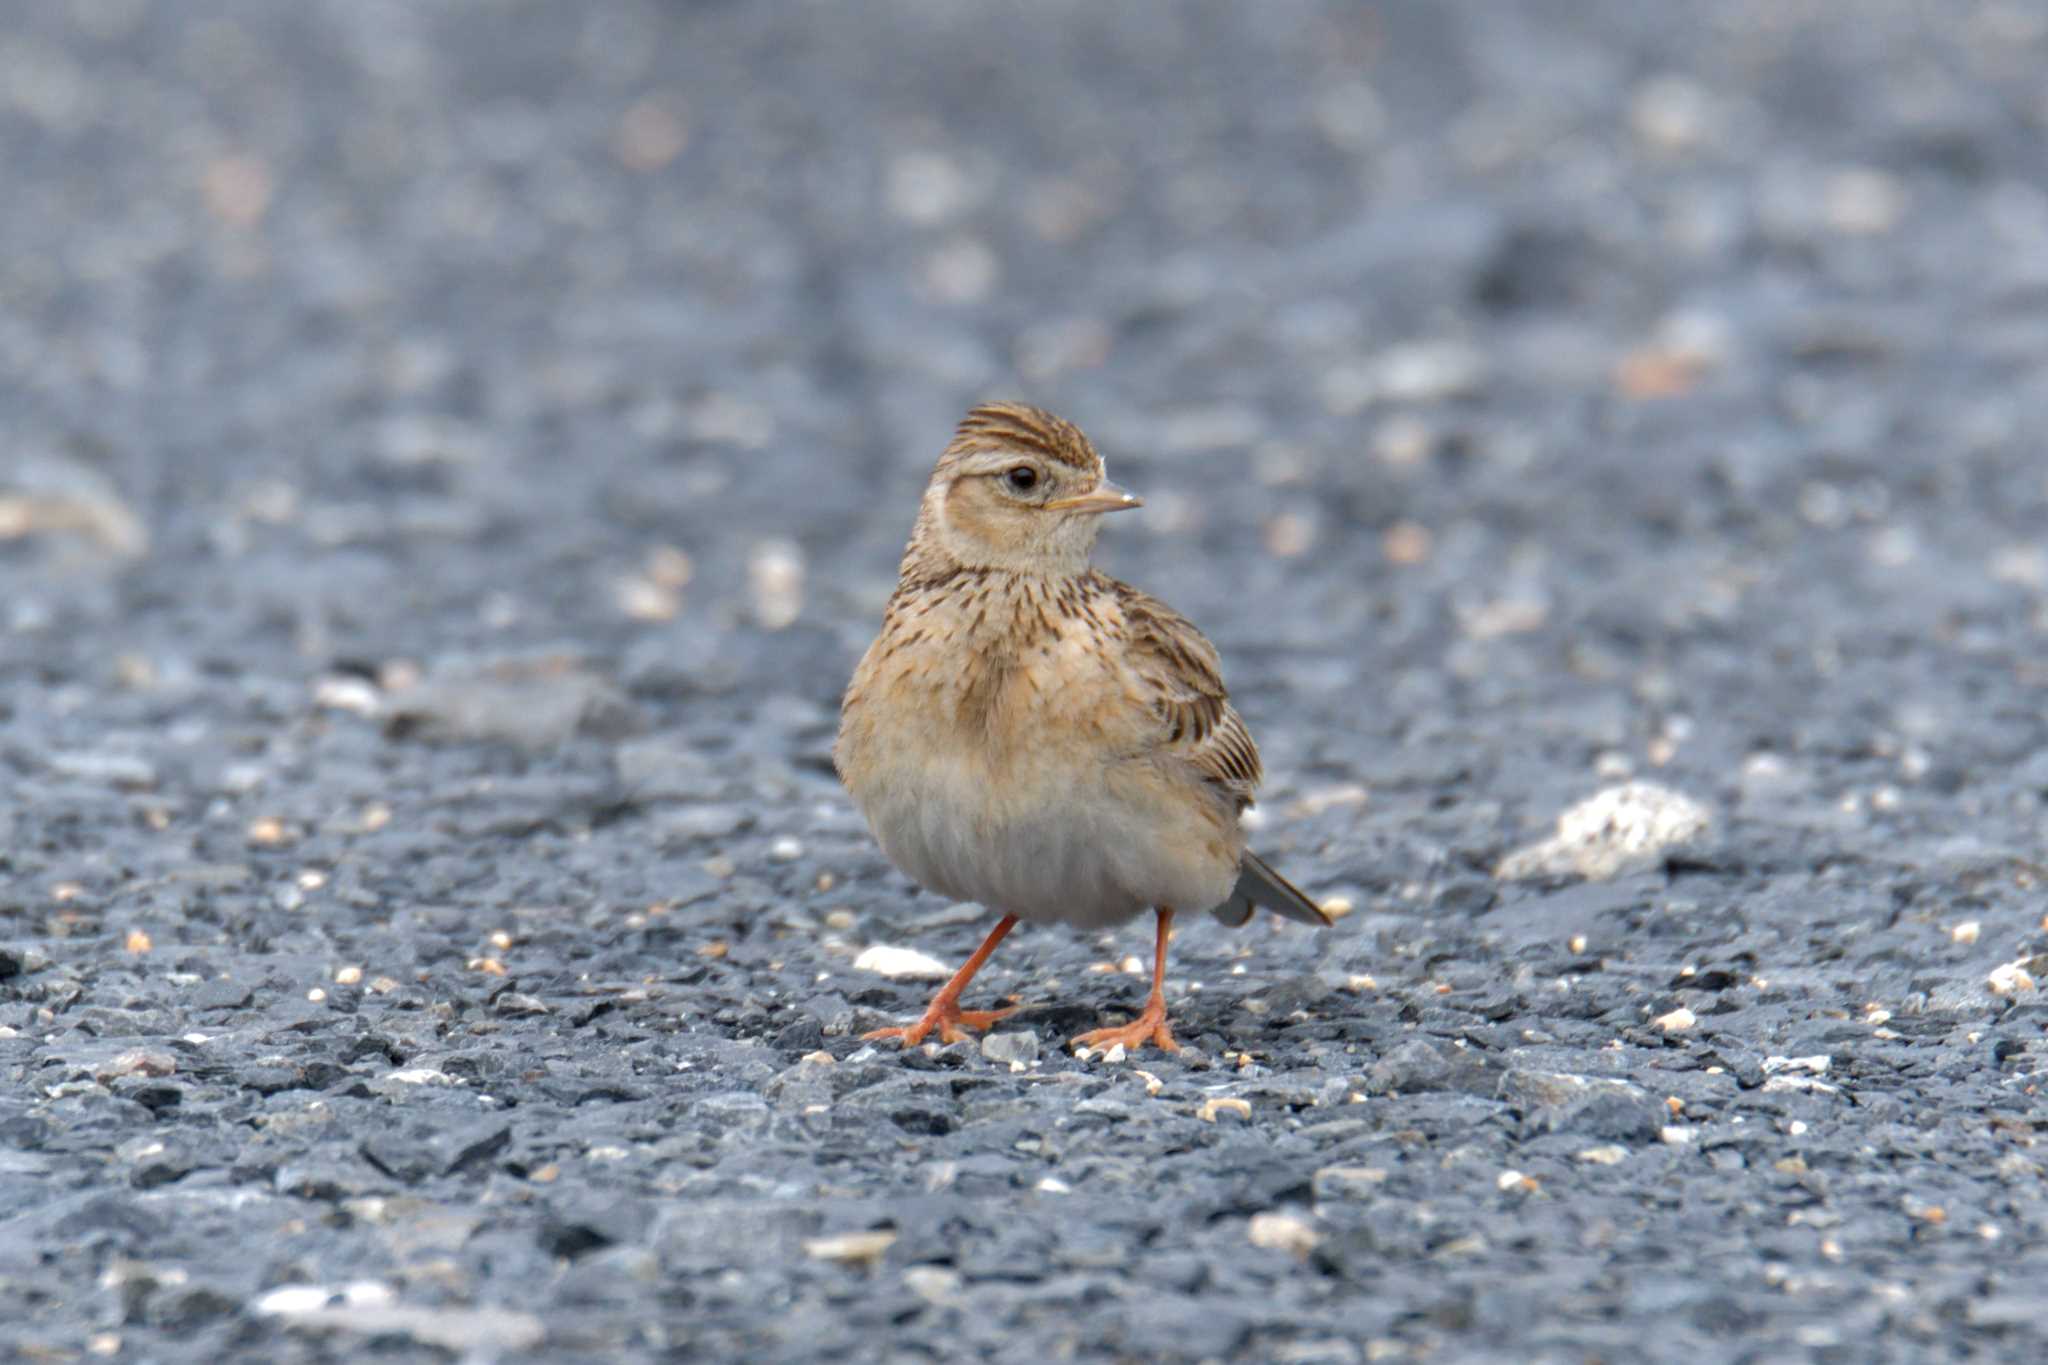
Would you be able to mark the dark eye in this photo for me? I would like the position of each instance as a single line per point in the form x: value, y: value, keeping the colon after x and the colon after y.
x: 1023, y: 478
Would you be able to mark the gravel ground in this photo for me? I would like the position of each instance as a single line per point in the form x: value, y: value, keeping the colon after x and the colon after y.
x: 451, y: 455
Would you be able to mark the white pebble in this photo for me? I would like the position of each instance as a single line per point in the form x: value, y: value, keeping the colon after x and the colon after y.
x: 1678, y: 1021
x: 901, y: 964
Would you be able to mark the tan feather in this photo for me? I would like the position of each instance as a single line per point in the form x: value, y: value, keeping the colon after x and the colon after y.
x: 1185, y: 678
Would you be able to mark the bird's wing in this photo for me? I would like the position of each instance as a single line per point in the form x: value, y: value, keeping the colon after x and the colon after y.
x: 1181, y: 679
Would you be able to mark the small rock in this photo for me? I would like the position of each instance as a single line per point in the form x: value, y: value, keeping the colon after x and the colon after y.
x: 472, y: 1333
x: 1678, y: 1021
x: 17, y: 961
x: 413, y: 1155
x: 806, y: 1036
x: 136, y: 1062
x: 1587, y: 1106
x: 851, y: 1248
x: 934, y: 1284
x: 1609, y: 1155
x: 418, y: 1075
x: 2012, y: 978
x: 1333, y: 1183
x: 1625, y: 829
x: 666, y: 767
x: 130, y: 771
x: 1212, y: 1107
x: 1429, y: 372
x: 1411, y: 1067
x: 1282, y: 1232
x: 1010, y: 1047
x: 40, y: 495
x: 1816, y: 1065
x: 901, y: 964
x: 222, y: 995
x: 532, y: 703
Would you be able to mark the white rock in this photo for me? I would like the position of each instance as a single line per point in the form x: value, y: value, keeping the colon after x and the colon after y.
x: 851, y: 1248
x: 421, y: 1075
x: 1678, y: 1021
x: 1282, y: 1232
x: 1627, y: 828
x: 932, y: 1283
x: 1817, y: 1064
x: 290, y: 1300
x: 901, y: 964
x: 2010, y: 979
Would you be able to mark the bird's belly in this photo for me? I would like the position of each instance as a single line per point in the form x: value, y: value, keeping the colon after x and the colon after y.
x: 1087, y: 850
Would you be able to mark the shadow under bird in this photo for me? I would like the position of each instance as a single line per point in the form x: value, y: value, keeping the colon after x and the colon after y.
x: 1032, y: 735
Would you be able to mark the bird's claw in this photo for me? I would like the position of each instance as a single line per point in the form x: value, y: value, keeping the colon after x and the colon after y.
x: 953, y: 1025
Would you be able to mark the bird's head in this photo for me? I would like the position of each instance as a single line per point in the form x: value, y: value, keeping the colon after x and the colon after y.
x: 1017, y: 489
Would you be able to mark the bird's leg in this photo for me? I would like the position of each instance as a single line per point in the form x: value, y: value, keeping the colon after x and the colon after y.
x: 944, y: 1013
x: 1150, y: 1025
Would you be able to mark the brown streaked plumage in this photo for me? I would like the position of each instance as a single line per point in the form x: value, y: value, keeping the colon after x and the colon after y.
x: 1013, y: 426
x: 1033, y: 735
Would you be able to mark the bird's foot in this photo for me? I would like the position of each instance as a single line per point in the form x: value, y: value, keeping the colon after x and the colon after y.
x: 1148, y: 1027
x: 952, y: 1022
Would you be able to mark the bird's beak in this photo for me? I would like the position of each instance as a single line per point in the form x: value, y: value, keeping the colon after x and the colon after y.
x: 1104, y: 497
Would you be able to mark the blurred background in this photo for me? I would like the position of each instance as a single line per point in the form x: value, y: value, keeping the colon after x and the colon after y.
x: 1579, y: 359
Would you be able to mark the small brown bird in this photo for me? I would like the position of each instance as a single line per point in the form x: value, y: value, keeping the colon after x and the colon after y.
x: 1038, y: 737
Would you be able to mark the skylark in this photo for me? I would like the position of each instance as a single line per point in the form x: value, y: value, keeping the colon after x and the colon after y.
x: 1035, y: 736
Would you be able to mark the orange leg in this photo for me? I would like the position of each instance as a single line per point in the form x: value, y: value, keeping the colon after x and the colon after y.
x: 1149, y: 1026
x: 944, y: 1013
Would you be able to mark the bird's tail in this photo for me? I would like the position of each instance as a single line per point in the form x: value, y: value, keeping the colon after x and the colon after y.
x: 1258, y: 884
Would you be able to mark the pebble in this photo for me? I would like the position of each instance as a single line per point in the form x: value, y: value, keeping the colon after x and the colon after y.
x: 1347, y: 1182
x: 1677, y: 1021
x: 137, y: 1062
x: 1282, y: 1232
x: 1010, y: 1047
x: 533, y: 703
x: 934, y: 1284
x: 901, y: 964
x: 864, y: 1249
x: 2012, y: 978
x: 130, y: 771
x: 1214, y: 1107
x: 1623, y: 829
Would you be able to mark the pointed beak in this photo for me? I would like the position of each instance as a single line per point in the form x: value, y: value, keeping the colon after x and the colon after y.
x: 1104, y: 497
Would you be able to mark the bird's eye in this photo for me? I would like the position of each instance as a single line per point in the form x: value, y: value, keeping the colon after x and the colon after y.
x: 1023, y: 478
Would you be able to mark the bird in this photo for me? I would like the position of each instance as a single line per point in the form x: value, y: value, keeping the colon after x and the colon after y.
x: 1032, y: 735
